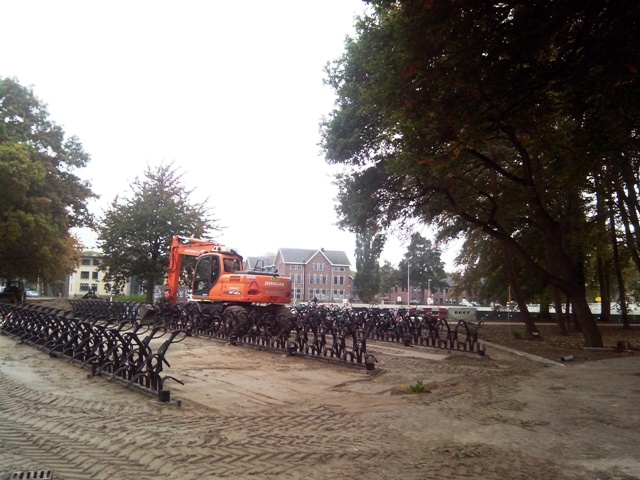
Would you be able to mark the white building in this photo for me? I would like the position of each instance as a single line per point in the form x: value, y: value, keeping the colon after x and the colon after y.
x: 88, y: 278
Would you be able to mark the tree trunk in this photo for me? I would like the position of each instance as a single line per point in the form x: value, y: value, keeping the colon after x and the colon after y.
x: 603, y: 264
x: 570, y: 317
x: 622, y: 290
x: 563, y: 328
x: 532, y: 329
x: 604, y: 279
x: 584, y: 319
x: 545, y: 312
x: 151, y: 285
x: 628, y: 207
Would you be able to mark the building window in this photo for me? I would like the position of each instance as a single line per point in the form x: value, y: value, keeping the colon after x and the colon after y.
x: 84, y: 275
x: 94, y: 287
x: 94, y: 275
x: 338, y: 269
x: 96, y: 261
x: 318, y: 267
x: 295, y: 267
x: 84, y: 287
x: 86, y: 261
x: 324, y: 279
x: 338, y: 280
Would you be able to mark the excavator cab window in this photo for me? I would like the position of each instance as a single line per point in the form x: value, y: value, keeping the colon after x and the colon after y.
x: 206, y: 276
x: 231, y: 265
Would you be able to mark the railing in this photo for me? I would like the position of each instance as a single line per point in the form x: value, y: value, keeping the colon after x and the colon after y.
x: 419, y: 327
x: 116, y: 347
x: 109, y: 338
x: 321, y: 331
x: 102, y: 309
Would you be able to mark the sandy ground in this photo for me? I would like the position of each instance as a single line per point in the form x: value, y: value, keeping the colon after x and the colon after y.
x: 247, y: 413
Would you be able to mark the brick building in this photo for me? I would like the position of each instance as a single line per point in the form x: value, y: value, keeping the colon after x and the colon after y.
x: 440, y: 295
x: 321, y: 274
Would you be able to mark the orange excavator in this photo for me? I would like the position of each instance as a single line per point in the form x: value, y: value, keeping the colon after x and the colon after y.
x: 219, y: 280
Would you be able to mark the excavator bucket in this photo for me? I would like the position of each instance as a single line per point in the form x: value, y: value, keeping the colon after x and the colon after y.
x: 147, y: 313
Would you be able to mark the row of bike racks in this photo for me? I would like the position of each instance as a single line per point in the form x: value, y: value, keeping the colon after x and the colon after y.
x: 109, y: 338
x: 95, y: 308
x: 421, y: 328
x: 294, y: 334
x: 119, y: 349
x: 323, y: 331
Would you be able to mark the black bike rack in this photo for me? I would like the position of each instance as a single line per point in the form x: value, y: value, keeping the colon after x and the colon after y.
x: 118, y: 348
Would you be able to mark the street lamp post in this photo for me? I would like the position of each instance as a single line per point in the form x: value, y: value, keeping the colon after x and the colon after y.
x: 408, y: 286
x: 429, y: 291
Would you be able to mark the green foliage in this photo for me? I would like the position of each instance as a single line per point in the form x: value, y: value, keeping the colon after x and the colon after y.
x: 353, y: 209
x: 135, y: 233
x: 389, y: 277
x: 424, y: 262
x: 41, y: 198
x: 418, y: 387
x: 492, y: 116
x: 130, y: 298
x: 368, y: 249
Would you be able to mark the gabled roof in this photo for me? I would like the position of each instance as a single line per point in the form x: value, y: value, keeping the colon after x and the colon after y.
x: 304, y: 255
x: 296, y: 255
x: 252, y: 261
x: 336, y: 257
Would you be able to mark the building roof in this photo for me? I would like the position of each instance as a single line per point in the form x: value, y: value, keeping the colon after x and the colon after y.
x: 303, y: 255
x: 253, y: 261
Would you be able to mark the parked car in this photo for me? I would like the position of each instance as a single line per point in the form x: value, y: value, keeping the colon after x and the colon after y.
x: 31, y: 293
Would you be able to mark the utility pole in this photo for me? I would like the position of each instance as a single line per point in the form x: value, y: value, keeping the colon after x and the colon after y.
x: 408, y: 286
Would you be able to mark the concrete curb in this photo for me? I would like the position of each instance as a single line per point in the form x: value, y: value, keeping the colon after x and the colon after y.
x: 535, y: 358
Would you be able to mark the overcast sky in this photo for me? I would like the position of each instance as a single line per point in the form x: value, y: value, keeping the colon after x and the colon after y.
x: 231, y: 92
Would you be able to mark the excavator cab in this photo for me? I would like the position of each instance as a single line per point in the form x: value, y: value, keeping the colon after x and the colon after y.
x: 206, y: 275
x: 209, y: 269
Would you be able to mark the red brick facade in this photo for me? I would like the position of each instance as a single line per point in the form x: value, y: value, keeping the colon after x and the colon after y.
x: 321, y: 274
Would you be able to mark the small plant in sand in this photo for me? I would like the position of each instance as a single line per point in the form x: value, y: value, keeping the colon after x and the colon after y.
x: 418, y: 387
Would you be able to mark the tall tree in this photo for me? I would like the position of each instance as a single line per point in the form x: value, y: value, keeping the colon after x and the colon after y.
x: 390, y: 276
x: 41, y: 198
x: 352, y: 209
x: 491, y: 113
x: 135, y: 233
x: 369, y: 246
x: 424, y: 262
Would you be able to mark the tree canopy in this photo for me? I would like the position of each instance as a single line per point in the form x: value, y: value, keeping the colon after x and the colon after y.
x: 136, y: 231
x: 424, y: 263
x: 41, y: 198
x: 491, y: 116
